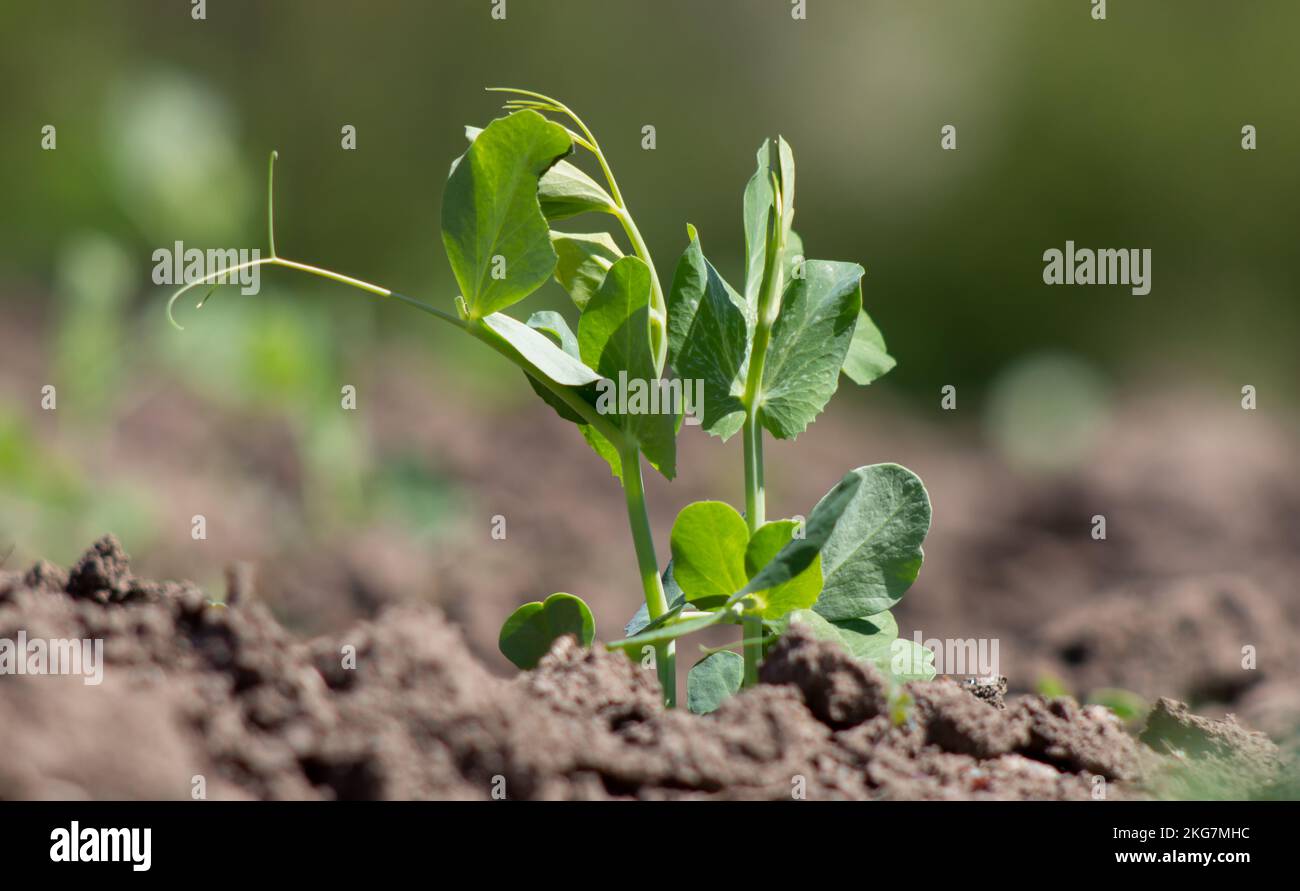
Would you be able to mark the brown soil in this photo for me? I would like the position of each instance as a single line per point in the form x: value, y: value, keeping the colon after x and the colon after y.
x: 1202, y: 501
x: 224, y: 692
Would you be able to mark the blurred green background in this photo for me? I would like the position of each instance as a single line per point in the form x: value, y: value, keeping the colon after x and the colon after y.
x: 1123, y: 133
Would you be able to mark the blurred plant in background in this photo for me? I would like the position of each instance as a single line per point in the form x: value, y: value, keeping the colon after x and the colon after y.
x: 174, y: 172
x: 1045, y: 412
x: 174, y: 158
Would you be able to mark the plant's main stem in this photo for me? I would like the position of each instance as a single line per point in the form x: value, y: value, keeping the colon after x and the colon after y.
x: 752, y: 638
x: 769, y: 306
x: 655, y: 601
x: 755, y: 493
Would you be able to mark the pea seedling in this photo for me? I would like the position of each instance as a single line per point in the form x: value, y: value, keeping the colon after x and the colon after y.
x: 765, y: 359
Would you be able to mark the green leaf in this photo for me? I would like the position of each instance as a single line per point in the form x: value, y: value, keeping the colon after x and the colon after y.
x: 708, y: 543
x: 584, y: 260
x: 871, y: 639
x: 866, y: 359
x: 713, y: 679
x: 539, y: 351
x: 601, y: 445
x: 490, y: 209
x: 868, y: 639
x: 796, y: 556
x: 799, y: 592
x: 757, y: 207
x: 529, y: 632
x: 874, y: 553
x: 809, y: 342
x: 614, y: 339
x: 566, y: 191
x: 614, y: 331
x: 709, y: 329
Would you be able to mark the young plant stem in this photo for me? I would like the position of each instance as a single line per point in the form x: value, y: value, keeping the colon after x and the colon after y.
x: 768, y: 307
x: 755, y: 493
x: 655, y: 601
x: 752, y: 640
x: 755, y: 496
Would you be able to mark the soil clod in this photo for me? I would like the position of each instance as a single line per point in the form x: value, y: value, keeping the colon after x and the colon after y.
x: 397, y: 707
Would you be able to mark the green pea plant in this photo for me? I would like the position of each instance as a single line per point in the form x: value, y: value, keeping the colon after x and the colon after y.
x: 765, y: 359
x: 770, y: 358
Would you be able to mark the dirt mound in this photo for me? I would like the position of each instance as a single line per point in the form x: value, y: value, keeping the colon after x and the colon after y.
x: 196, y: 694
x: 1215, y: 638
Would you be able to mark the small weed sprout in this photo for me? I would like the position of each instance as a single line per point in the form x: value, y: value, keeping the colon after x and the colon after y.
x: 768, y: 359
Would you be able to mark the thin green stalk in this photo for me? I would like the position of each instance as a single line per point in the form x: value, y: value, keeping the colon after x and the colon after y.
x: 755, y: 511
x: 752, y: 640
x: 655, y: 601
x: 755, y: 496
x: 313, y: 270
x: 270, y: 201
x: 755, y: 492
